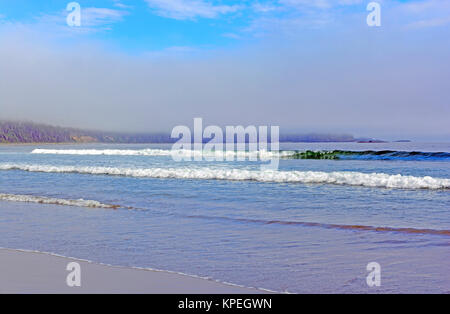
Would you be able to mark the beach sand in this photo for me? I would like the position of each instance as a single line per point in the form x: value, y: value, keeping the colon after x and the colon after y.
x: 34, y: 272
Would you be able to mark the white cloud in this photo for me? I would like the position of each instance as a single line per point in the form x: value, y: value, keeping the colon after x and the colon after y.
x: 264, y: 7
x: 288, y: 17
x: 318, y: 4
x: 350, y: 2
x: 425, y: 14
x: 190, y: 9
x: 322, y: 4
x: 422, y: 6
x: 92, y: 17
x: 436, y: 22
x: 273, y: 26
x: 92, y: 20
x: 120, y: 4
x: 231, y: 35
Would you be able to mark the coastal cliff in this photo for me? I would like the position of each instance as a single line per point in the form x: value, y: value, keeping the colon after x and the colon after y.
x: 12, y: 132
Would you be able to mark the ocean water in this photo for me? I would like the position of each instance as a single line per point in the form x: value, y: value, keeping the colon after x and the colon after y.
x: 312, y: 226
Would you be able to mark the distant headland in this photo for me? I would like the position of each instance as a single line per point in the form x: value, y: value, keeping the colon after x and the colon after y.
x: 13, y: 132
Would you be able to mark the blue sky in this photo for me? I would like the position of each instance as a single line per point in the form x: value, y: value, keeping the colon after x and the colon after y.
x: 148, y: 25
x: 304, y: 65
x: 138, y: 25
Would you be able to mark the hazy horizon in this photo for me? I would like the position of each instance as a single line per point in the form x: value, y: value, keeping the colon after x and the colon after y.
x: 309, y: 67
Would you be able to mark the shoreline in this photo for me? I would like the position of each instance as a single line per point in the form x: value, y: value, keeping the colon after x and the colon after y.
x: 26, y: 144
x: 33, y: 272
x: 144, y: 143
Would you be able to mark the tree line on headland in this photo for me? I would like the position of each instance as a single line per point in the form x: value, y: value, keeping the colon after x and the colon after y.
x: 29, y: 132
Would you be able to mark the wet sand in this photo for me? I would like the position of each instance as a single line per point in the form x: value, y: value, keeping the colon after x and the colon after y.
x: 34, y: 273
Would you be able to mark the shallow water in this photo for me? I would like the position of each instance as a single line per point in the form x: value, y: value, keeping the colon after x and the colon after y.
x: 278, y: 234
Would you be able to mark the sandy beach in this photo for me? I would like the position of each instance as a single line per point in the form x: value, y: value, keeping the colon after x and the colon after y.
x: 35, y: 273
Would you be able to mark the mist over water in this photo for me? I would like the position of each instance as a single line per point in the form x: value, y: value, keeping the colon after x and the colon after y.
x: 304, y: 86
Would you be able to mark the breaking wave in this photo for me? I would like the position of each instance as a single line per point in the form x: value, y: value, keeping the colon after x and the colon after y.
x: 54, y: 201
x: 262, y: 154
x: 371, y: 155
x: 379, y: 180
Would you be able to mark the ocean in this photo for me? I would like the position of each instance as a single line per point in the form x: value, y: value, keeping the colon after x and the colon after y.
x: 313, y: 226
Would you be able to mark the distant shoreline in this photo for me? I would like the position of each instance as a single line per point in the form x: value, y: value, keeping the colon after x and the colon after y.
x: 26, y: 144
x: 13, y: 132
x: 167, y: 143
x: 102, y: 143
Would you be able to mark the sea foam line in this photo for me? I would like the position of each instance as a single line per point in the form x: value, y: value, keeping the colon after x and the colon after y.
x: 54, y: 201
x: 262, y: 154
x: 254, y: 155
x: 379, y: 180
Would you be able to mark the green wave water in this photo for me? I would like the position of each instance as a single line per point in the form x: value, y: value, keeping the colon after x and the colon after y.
x: 369, y: 155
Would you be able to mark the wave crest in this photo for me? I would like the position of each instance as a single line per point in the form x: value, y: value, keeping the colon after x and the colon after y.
x: 262, y: 154
x: 378, y: 180
x: 55, y: 201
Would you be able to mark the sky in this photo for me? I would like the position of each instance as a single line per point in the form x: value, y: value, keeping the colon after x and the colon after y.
x: 306, y: 66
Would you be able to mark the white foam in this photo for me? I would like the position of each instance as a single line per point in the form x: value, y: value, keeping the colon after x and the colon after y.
x: 380, y: 180
x: 54, y: 201
x: 262, y: 154
x: 109, y: 152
